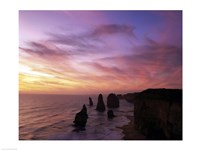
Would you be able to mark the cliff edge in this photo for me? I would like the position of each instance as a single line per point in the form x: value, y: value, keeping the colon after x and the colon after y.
x: 158, y: 113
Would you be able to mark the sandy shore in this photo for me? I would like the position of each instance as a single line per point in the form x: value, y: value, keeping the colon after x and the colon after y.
x: 130, y: 133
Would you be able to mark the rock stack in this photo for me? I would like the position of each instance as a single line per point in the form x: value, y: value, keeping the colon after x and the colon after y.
x: 112, y: 101
x: 110, y: 114
x: 100, y: 105
x: 90, y: 101
x: 81, y: 118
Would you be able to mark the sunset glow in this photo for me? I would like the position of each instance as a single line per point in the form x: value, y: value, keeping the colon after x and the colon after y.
x: 85, y: 52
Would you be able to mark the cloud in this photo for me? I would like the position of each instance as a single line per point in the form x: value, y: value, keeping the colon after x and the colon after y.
x: 110, y: 29
x: 43, y: 49
x: 163, y: 56
x: 76, y: 41
x: 150, y: 65
x: 105, y: 69
x: 99, y: 58
x: 90, y: 39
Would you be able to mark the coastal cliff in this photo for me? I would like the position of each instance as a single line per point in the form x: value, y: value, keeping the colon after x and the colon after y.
x: 158, y: 113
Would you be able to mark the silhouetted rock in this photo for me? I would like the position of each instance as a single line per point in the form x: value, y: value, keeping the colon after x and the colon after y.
x: 120, y: 96
x: 158, y: 113
x: 100, y: 105
x: 112, y: 101
x: 110, y: 114
x: 81, y: 118
x: 129, y: 97
x: 90, y: 101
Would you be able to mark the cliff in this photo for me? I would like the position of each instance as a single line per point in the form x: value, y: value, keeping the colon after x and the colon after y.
x: 158, y: 113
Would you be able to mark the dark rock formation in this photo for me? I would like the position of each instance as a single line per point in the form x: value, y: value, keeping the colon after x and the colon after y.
x: 158, y: 113
x: 81, y: 118
x: 100, y: 105
x: 110, y: 114
x: 90, y: 101
x: 129, y: 97
x: 120, y: 96
x: 112, y: 101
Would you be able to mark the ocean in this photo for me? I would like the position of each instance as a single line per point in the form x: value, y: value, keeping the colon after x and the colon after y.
x: 50, y: 117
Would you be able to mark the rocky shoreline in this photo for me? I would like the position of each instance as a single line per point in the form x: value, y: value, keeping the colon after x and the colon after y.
x: 157, y: 114
x: 129, y: 131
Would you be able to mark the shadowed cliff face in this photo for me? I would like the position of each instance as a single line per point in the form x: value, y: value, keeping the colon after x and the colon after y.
x: 158, y: 113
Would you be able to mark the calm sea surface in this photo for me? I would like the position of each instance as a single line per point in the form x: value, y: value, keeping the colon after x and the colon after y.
x: 50, y: 117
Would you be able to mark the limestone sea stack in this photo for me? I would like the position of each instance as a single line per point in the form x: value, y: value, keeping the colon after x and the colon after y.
x: 90, y: 101
x: 81, y: 118
x: 110, y: 114
x: 112, y: 101
x: 100, y: 105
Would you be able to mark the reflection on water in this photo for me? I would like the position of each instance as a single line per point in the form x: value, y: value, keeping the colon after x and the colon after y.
x: 51, y: 117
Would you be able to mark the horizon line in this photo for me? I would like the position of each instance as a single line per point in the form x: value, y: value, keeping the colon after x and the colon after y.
x: 104, y: 93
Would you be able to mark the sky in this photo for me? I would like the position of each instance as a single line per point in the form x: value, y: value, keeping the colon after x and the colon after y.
x: 89, y: 52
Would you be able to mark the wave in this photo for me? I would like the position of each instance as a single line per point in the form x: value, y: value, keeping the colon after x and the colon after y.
x: 53, y: 120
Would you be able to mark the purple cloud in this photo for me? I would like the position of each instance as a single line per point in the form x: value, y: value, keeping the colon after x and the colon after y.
x: 43, y: 49
x: 113, y: 29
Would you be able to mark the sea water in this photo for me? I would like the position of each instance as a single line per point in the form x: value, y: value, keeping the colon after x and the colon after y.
x: 50, y: 117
